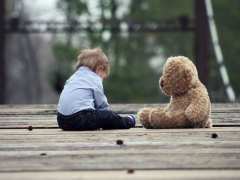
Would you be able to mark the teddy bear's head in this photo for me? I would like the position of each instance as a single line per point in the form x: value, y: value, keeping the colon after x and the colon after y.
x: 179, y: 75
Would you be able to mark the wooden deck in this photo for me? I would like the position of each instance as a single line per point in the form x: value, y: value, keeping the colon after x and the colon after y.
x: 47, y: 152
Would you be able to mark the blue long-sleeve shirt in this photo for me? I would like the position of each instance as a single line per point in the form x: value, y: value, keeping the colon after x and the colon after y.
x: 83, y: 90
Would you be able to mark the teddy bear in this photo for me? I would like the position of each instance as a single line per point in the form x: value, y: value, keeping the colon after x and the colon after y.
x: 189, y: 105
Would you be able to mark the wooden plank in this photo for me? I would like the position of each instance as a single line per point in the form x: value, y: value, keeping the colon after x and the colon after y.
x: 24, y: 121
x: 124, y: 131
x: 96, y: 142
x: 126, y: 159
x: 112, y: 106
x: 218, y: 108
x: 120, y: 108
x: 121, y: 162
x: 57, y: 136
x: 225, y: 105
x: 49, y: 121
x: 27, y: 112
x: 124, y: 174
x: 222, y: 116
x: 28, y: 106
x: 50, y: 153
x: 46, y: 139
x: 53, y: 125
x: 27, y: 117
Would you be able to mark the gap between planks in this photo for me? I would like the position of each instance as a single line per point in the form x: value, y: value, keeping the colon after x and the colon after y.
x: 124, y: 174
x: 132, y: 130
x: 226, y: 125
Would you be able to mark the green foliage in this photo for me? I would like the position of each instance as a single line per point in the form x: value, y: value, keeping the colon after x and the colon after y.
x: 64, y: 52
x: 66, y: 59
x: 132, y: 79
x: 72, y: 8
x: 149, y: 10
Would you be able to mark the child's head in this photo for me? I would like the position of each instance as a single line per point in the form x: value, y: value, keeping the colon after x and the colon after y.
x: 92, y: 58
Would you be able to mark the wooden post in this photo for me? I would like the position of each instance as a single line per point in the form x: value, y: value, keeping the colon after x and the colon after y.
x: 2, y: 43
x: 201, y: 41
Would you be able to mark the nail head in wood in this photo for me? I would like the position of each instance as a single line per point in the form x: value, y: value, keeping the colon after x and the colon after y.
x: 119, y: 142
x: 30, y: 128
x: 130, y: 171
x: 214, y: 135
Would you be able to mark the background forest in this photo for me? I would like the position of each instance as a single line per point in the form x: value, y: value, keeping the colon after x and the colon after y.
x: 137, y: 59
x: 39, y: 64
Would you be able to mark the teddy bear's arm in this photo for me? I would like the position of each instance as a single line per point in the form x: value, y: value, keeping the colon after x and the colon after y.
x: 198, y: 107
x: 167, y: 108
x: 143, y: 116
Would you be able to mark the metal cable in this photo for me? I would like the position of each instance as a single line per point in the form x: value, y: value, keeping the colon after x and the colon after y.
x: 218, y: 52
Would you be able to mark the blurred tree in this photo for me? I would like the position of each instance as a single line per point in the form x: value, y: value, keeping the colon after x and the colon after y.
x: 137, y: 58
x: 65, y: 55
x: 64, y: 51
x: 133, y: 56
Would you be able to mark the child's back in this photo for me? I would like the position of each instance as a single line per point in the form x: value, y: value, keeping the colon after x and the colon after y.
x: 79, y: 93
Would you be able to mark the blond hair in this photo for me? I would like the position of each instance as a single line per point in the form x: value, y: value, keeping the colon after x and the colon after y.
x: 92, y: 58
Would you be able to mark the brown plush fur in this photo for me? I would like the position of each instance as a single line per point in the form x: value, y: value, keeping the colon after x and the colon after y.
x: 189, y: 106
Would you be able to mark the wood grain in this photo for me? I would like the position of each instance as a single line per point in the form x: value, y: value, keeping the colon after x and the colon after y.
x: 47, y: 152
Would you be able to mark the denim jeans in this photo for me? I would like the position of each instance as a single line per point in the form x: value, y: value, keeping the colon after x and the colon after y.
x: 91, y: 120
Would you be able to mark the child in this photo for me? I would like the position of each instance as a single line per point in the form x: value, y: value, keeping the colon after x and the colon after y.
x: 82, y: 104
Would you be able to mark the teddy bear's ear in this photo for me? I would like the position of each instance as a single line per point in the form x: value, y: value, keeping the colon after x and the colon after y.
x: 191, y: 74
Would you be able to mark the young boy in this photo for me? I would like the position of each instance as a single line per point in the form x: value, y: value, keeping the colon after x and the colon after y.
x: 82, y: 104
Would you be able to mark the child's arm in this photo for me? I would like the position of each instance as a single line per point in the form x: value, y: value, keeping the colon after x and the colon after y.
x: 101, y: 102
